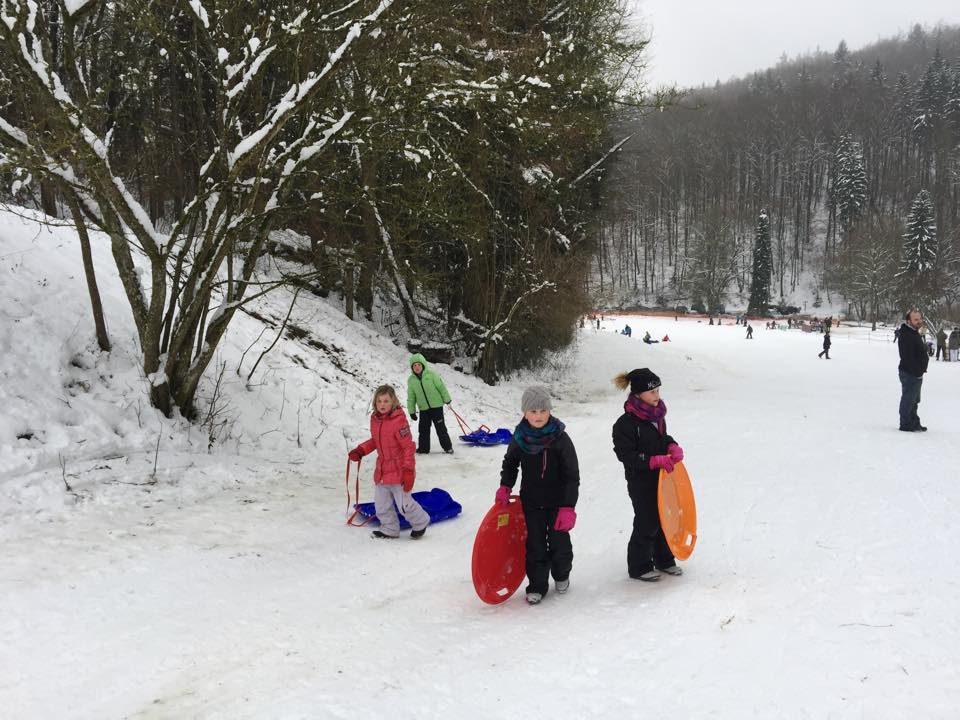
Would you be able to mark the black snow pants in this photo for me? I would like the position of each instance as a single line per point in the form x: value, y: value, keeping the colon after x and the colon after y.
x: 549, y: 552
x: 433, y: 416
x: 648, y: 545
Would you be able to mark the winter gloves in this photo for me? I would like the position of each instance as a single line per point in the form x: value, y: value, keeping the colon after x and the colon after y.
x: 503, y: 496
x: 413, y: 416
x: 664, y: 462
x: 355, y: 454
x: 408, y: 477
x: 668, y: 461
x: 675, y: 452
x: 566, y: 519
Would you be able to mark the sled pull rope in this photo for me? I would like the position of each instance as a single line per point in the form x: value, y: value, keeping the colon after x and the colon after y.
x: 463, y: 425
x: 356, y: 510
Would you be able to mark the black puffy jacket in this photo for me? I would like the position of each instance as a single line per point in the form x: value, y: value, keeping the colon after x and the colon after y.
x: 635, y: 441
x: 549, y: 478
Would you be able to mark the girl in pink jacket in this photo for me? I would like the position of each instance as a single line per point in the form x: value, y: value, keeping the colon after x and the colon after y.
x: 396, y: 469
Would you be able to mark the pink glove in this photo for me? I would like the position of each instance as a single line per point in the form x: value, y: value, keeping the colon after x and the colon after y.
x: 675, y: 452
x: 355, y: 454
x: 503, y: 496
x: 566, y: 519
x: 661, y: 461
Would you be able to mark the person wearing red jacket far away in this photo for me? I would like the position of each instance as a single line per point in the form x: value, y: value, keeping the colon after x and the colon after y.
x: 395, y: 471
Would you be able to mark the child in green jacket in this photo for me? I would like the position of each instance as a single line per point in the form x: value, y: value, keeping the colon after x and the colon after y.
x: 427, y: 395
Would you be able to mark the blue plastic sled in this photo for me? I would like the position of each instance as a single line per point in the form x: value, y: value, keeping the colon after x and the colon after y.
x: 438, y: 504
x: 502, y: 436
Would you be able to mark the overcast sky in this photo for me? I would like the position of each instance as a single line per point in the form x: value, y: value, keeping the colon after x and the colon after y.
x: 700, y: 41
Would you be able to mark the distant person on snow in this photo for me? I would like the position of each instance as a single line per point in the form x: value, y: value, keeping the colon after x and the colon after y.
x: 396, y: 468
x: 953, y: 344
x: 749, y: 332
x: 544, y: 455
x: 641, y: 443
x: 942, y: 344
x: 649, y: 340
x: 427, y: 395
x: 627, y: 330
x: 913, y: 364
x: 826, y: 345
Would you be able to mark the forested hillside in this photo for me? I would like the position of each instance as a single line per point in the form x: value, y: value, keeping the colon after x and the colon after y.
x: 436, y: 155
x: 847, y: 164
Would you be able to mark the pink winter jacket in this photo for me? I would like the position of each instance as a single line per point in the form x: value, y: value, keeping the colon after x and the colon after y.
x: 391, y: 438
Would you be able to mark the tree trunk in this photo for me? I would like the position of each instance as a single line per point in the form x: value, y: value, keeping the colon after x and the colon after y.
x: 48, y: 198
x: 103, y: 339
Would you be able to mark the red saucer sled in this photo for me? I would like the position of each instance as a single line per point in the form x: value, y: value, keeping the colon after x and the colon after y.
x: 678, y: 511
x: 499, y: 553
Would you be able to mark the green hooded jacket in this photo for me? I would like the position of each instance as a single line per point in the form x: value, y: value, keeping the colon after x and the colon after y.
x: 426, y: 390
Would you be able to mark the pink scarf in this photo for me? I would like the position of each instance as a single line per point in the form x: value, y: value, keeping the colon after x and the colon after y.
x: 638, y: 408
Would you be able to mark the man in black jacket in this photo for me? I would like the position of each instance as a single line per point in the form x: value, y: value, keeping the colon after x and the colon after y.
x: 913, y: 364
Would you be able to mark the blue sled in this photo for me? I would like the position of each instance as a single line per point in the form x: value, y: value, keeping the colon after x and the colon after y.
x: 438, y: 504
x: 502, y: 436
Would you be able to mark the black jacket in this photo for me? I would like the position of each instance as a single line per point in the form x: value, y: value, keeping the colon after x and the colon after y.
x: 635, y: 441
x: 826, y: 341
x: 550, y: 478
x: 913, y: 351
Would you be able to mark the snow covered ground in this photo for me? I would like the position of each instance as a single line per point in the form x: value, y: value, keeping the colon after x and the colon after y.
x: 224, y: 583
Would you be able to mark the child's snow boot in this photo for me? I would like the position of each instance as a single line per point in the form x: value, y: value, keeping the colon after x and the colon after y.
x: 417, y: 534
x: 674, y: 570
x: 534, y: 598
x: 648, y: 576
x: 562, y: 585
x: 382, y: 535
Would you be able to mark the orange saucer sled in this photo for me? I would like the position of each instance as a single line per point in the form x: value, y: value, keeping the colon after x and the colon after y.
x: 499, y: 553
x: 678, y: 511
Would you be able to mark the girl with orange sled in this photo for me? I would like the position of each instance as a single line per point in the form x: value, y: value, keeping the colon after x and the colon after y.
x: 642, y: 444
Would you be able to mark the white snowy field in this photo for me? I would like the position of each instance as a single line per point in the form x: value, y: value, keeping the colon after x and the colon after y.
x: 225, y: 584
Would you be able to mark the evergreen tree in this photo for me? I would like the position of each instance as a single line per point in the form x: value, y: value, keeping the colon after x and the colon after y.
x: 918, y: 276
x: 933, y: 95
x: 762, y: 266
x: 920, y: 239
x: 878, y: 78
x: 849, y: 191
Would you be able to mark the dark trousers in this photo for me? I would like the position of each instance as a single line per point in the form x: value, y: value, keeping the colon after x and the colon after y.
x: 909, y: 401
x: 648, y: 546
x: 432, y: 416
x: 549, y: 552
x: 825, y: 351
x: 942, y: 349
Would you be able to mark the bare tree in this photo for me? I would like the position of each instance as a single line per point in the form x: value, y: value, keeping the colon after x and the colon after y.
x: 262, y: 76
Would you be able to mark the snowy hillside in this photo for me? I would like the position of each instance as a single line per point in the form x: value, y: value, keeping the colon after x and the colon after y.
x: 220, y: 581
